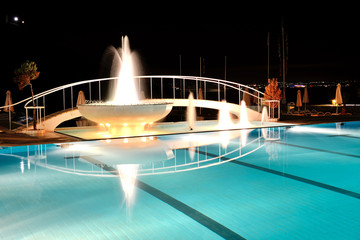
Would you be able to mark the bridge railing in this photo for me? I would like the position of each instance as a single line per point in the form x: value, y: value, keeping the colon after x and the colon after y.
x: 148, y: 87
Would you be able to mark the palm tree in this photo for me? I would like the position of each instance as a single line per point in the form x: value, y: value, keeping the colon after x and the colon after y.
x: 23, y: 76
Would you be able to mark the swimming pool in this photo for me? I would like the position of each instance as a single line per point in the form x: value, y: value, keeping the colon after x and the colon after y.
x: 298, y: 182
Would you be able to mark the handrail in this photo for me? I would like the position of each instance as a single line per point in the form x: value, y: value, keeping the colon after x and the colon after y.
x: 255, y: 93
x: 212, y: 80
x: 67, y: 86
x: 238, y: 86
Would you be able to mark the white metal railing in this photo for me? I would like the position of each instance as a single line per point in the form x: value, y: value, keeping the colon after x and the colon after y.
x: 155, y: 86
x: 272, y: 104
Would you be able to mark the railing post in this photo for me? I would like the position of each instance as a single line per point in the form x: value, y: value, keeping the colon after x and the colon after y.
x: 139, y: 90
x: 44, y: 107
x: 90, y: 90
x: 174, y: 88
x: 10, y: 118
x: 162, y: 89
x: 38, y: 111
x: 218, y: 90
x: 258, y: 102
x: 99, y: 90
x: 71, y: 88
x: 184, y: 88
x: 27, y: 121
x: 197, y: 91
x: 39, y: 117
x: 64, y: 98
x: 150, y: 88
x: 205, y: 90
x: 278, y: 109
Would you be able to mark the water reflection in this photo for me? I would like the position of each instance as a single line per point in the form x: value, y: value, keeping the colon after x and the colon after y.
x: 129, y: 158
x: 152, y: 155
x: 127, y: 175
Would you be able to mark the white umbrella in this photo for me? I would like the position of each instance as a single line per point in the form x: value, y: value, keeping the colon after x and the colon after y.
x: 338, y: 97
x: 298, y: 100
x: 305, y: 97
x: 8, y: 101
x: 81, y: 98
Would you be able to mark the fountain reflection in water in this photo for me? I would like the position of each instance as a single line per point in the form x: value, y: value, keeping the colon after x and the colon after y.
x: 127, y: 174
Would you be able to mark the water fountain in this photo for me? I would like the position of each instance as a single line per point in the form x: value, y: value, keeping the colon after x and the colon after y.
x: 125, y: 108
x: 191, y: 112
x: 264, y: 115
x: 224, y: 117
x: 244, y: 121
x: 126, y: 115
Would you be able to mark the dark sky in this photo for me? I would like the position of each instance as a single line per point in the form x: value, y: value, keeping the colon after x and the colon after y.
x: 69, y: 48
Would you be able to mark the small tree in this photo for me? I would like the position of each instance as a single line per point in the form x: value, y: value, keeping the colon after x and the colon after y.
x: 272, y: 92
x: 23, y: 76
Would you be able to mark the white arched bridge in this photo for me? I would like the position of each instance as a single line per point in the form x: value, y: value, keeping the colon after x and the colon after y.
x: 59, y: 104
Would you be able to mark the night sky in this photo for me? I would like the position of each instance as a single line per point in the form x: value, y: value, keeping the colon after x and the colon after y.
x: 69, y: 48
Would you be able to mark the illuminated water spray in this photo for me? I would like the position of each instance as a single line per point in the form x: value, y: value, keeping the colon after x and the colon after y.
x: 244, y: 121
x: 124, y: 90
x: 127, y: 174
x: 264, y: 115
x: 224, y: 118
x: 191, y: 112
x: 124, y: 108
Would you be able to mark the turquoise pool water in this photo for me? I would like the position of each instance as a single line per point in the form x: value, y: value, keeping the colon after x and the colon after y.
x: 299, y: 182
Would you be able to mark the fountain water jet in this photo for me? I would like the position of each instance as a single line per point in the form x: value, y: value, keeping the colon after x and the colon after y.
x: 224, y: 117
x: 125, y: 92
x: 191, y: 112
x: 125, y: 109
x: 244, y: 121
x: 264, y: 115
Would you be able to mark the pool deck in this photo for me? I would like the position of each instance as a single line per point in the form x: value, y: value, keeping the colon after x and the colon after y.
x: 8, y: 138
x: 11, y: 138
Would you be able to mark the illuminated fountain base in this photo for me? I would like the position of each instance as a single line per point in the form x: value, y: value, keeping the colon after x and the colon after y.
x: 123, y: 115
x: 123, y: 121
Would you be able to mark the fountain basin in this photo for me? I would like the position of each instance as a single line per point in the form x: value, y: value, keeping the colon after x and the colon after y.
x: 134, y: 114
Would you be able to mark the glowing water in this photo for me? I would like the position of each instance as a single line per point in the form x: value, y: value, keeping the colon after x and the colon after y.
x: 127, y: 174
x: 124, y: 90
x: 124, y: 108
x: 244, y: 121
x: 224, y: 116
x: 264, y: 115
x: 191, y: 112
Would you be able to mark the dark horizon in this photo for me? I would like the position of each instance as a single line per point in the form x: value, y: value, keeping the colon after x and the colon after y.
x: 319, y: 49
